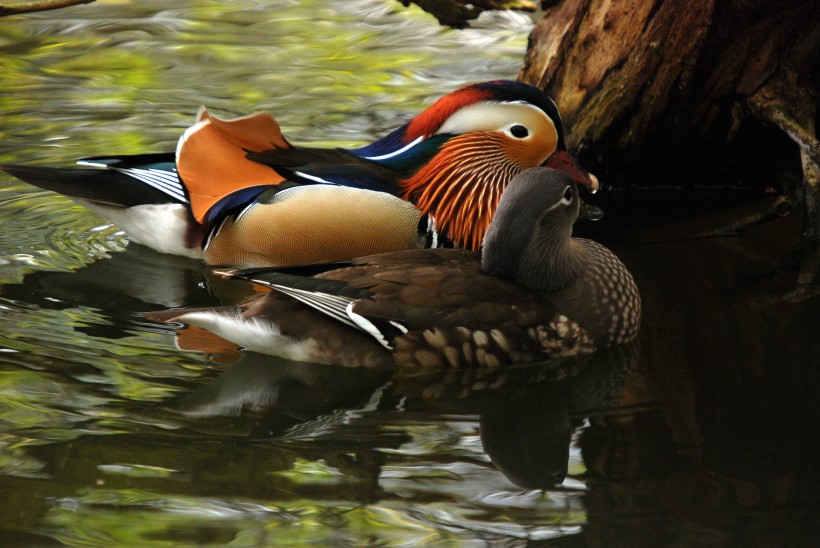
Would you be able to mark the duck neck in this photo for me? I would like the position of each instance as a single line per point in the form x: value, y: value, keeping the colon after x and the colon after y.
x: 551, y: 263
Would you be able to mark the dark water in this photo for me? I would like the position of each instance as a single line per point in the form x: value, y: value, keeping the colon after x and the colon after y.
x: 116, y: 431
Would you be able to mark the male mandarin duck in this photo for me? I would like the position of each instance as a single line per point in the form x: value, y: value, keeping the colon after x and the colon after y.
x: 533, y: 293
x: 236, y: 192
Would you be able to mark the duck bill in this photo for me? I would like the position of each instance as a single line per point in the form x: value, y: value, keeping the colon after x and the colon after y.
x: 563, y: 161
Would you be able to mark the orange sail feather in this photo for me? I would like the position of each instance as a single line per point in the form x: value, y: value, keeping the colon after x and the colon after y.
x: 211, y: 157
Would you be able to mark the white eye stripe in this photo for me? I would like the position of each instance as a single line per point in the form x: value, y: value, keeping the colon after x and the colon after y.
x: 564, y: 201
x: 489, y: 116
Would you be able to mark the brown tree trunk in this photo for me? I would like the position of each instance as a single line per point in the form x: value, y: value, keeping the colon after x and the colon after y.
x: 686, y: 93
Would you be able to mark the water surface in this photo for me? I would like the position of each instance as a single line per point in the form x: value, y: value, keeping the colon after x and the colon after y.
x: 114, y: 430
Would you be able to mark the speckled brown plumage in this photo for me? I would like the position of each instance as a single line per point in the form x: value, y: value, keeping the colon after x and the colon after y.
x: 536, y: 293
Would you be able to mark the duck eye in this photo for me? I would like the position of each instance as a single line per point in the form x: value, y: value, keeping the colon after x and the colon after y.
x: 568, y: 194
x: 519, y: 131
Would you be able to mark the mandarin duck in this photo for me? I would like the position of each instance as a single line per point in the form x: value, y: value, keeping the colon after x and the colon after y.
x: 533, y: 293
x: 237, y: 193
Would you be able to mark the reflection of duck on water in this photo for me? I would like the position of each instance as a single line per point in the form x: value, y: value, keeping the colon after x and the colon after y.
x: 527, y: 414
x: 133, y: 281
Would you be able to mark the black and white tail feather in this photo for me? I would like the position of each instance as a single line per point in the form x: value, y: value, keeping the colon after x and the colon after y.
x: 335, y: 305
x: 163, y: 179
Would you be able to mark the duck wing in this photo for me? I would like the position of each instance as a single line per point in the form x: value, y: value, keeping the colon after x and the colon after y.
x: 328, y: 166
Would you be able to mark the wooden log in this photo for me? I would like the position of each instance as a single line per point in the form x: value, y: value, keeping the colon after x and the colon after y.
x: 662, y: 91
x: 15, y: 8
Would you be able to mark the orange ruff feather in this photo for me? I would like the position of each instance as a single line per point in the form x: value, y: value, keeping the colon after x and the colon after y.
x: 462, y: 184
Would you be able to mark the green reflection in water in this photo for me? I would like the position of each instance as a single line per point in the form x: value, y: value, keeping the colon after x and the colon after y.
x: 312, y: 472
x: 95, y: 516
x: 88, y: 452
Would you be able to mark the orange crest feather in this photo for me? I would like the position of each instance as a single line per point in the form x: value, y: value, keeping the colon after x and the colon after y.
x: 428, y: 122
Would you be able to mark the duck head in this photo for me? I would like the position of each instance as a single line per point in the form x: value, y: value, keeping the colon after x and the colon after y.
x: 458, y: 155
x: 530, y: 239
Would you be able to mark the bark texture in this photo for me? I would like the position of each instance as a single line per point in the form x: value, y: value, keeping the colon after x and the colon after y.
x: 685, y: 93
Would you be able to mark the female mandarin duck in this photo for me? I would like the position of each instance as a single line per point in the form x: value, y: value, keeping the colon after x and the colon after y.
x: 534, y: 293
x: 238, y: 193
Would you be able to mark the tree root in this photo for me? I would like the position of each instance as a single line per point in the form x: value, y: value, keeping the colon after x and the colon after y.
x: 16, y: 8
x: 782, y: 206
x: 790, y: 107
